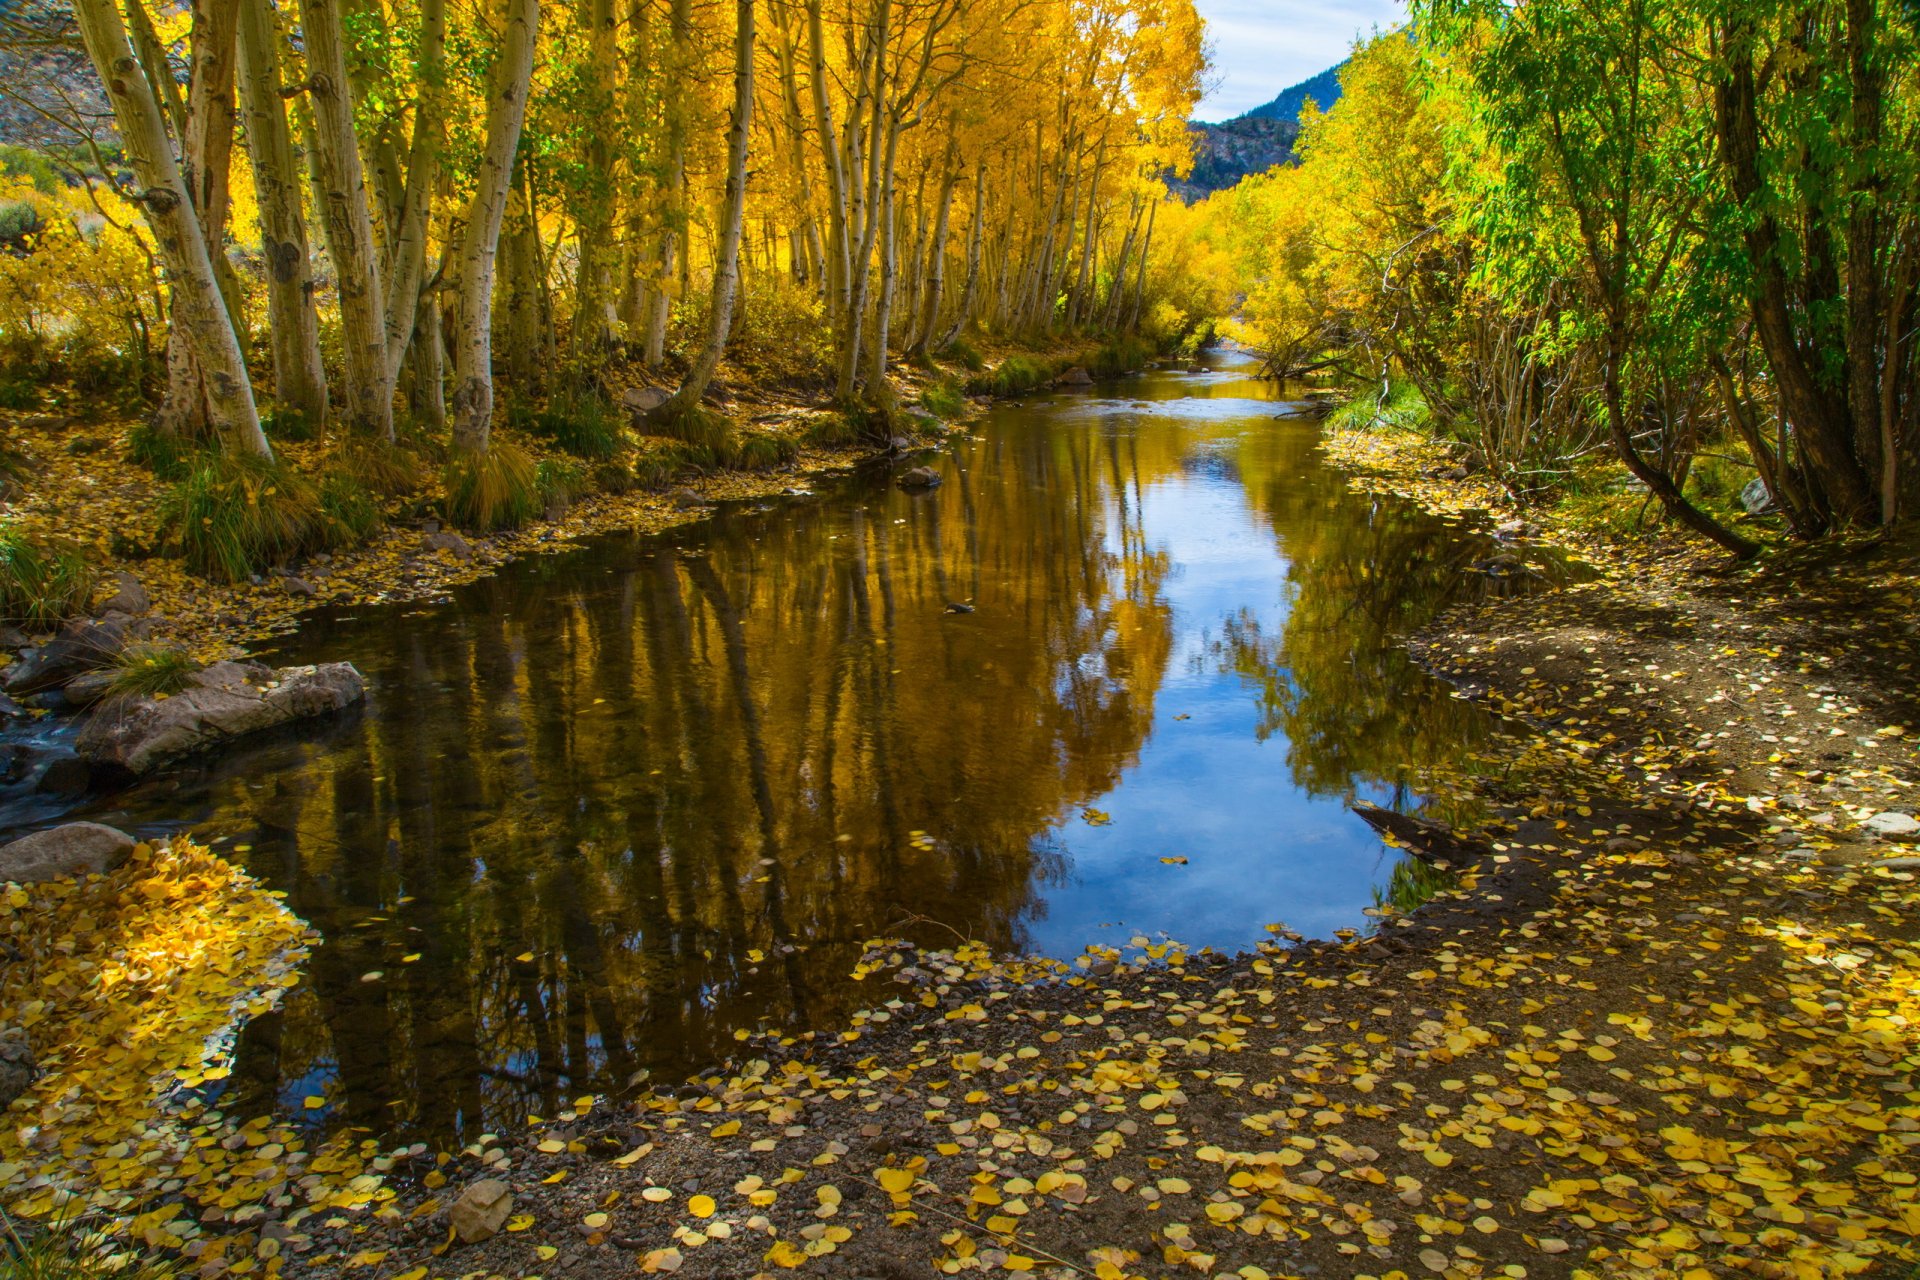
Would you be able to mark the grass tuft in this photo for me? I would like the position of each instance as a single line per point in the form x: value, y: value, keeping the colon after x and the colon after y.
x: 68, y: 1251
x: 1013, y: 376
x: 559, y: 481
x: 964, y: 354
x: 235, y: 514
x: 286, y: 424
x: 143, y: 670
x: 167, y: 456
x: 765, y: 451
x: 350, y: 509
x: 581, y: 423
x: 43, y: 583
x: 498, y: 488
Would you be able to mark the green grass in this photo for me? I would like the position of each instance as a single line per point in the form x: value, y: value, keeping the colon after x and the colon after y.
x: 235, y: 514
x: 388, y: 469
x: 18, y: 393
x: 43, y: 583
x: 1412, y: 883
x: 696, y: 425
x: 943, y: 399
x: 964, y: 354
x: 615, y: 475
x: 142, y: 670
x: 581, y: 423
x: 1401, y: 408
x: 764, y: 451
x: 1122, y: 355
x: 495, y: 489
x: 351, y: 510
x: 167, y: 456
x: 559, y: 481
x: 1015, y: 375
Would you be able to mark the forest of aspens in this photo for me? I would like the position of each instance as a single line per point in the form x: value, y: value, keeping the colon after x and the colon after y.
x: 734, y: 637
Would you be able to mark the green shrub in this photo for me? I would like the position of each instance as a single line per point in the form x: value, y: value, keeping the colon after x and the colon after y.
x: 614, y: 476
x: 1121, y: 356
x: 235, y: 514
x: 1015, y: 375
x: 166, y: 455
x: 943, y: 399
x: 963, y: 353
x: 559, y: 481
x: 765, y: 451
x: 581, y: 423
x: 19, y: 393
x: 696, y: 425
x: 142, y: 670
x: 20, y: 225
x: 1621, y: 516
x: 498, y: 488
x: 837, y: 430
x: 43, y: 583
x: 351, y: 511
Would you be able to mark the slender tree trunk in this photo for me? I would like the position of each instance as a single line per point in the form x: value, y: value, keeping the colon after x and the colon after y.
x: 1140, y: 274
x: 726, y: 272
x: 472, y: 401
x: 969, y: 290
x: 197, y: 304
x: 299, y: 378
x: 936, y: 269
x: 595, y: 323
x: 407, y: 233
x: 673, y: 191
x: 347, y: 219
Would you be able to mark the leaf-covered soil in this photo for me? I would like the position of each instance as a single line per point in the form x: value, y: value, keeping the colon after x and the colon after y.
x: 1666, y: 1027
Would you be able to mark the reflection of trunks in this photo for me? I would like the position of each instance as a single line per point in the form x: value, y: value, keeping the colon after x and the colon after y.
x: 605, y: 807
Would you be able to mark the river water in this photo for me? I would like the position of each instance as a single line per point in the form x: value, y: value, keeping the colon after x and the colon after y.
x: 606, y: 808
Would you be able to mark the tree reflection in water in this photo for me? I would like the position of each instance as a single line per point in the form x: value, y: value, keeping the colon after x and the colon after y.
x: 608, y: 807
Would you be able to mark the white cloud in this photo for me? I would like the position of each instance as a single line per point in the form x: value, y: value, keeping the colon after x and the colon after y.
x: 1262, y: 46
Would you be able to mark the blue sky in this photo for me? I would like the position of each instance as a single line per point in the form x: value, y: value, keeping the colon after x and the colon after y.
x: 1262, y: 46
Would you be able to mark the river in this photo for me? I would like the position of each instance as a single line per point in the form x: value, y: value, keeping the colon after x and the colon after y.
x: 1118, y: 677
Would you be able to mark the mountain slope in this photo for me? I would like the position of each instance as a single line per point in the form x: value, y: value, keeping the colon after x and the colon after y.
x: 1226, y: 152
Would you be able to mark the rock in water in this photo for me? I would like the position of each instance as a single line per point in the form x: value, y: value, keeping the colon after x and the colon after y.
x: 1433, y: 842
x: 223, y: 702
x: 1074, y: 377
x: 74, y: 849
x: 17, y: 1067
x: 920, y: 478
x: 481, y: 1210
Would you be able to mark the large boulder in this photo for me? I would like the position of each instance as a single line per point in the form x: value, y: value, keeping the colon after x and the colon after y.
x: 1074, y: 377
x: 82, y: 647
x: 73, y: 849
x: 226, y: 701
x: 641, y: 401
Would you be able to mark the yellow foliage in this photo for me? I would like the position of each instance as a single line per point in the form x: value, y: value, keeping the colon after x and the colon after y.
x: 84, y: 283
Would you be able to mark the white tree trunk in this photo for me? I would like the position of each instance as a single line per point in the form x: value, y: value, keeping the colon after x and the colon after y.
x: 726, y: 272
x: 197, y: 304
x: 472, y: 401
x: 299, y: 378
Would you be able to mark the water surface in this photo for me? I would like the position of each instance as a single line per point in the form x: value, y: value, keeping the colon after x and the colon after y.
x: 609, y: 806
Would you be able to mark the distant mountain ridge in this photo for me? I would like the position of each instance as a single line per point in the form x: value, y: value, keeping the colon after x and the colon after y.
x: 1253, y: 142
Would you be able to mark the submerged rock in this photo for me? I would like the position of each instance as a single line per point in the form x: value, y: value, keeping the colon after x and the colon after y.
x: 920, y: 478
x: 226, y: 701
x: 72, y: 849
